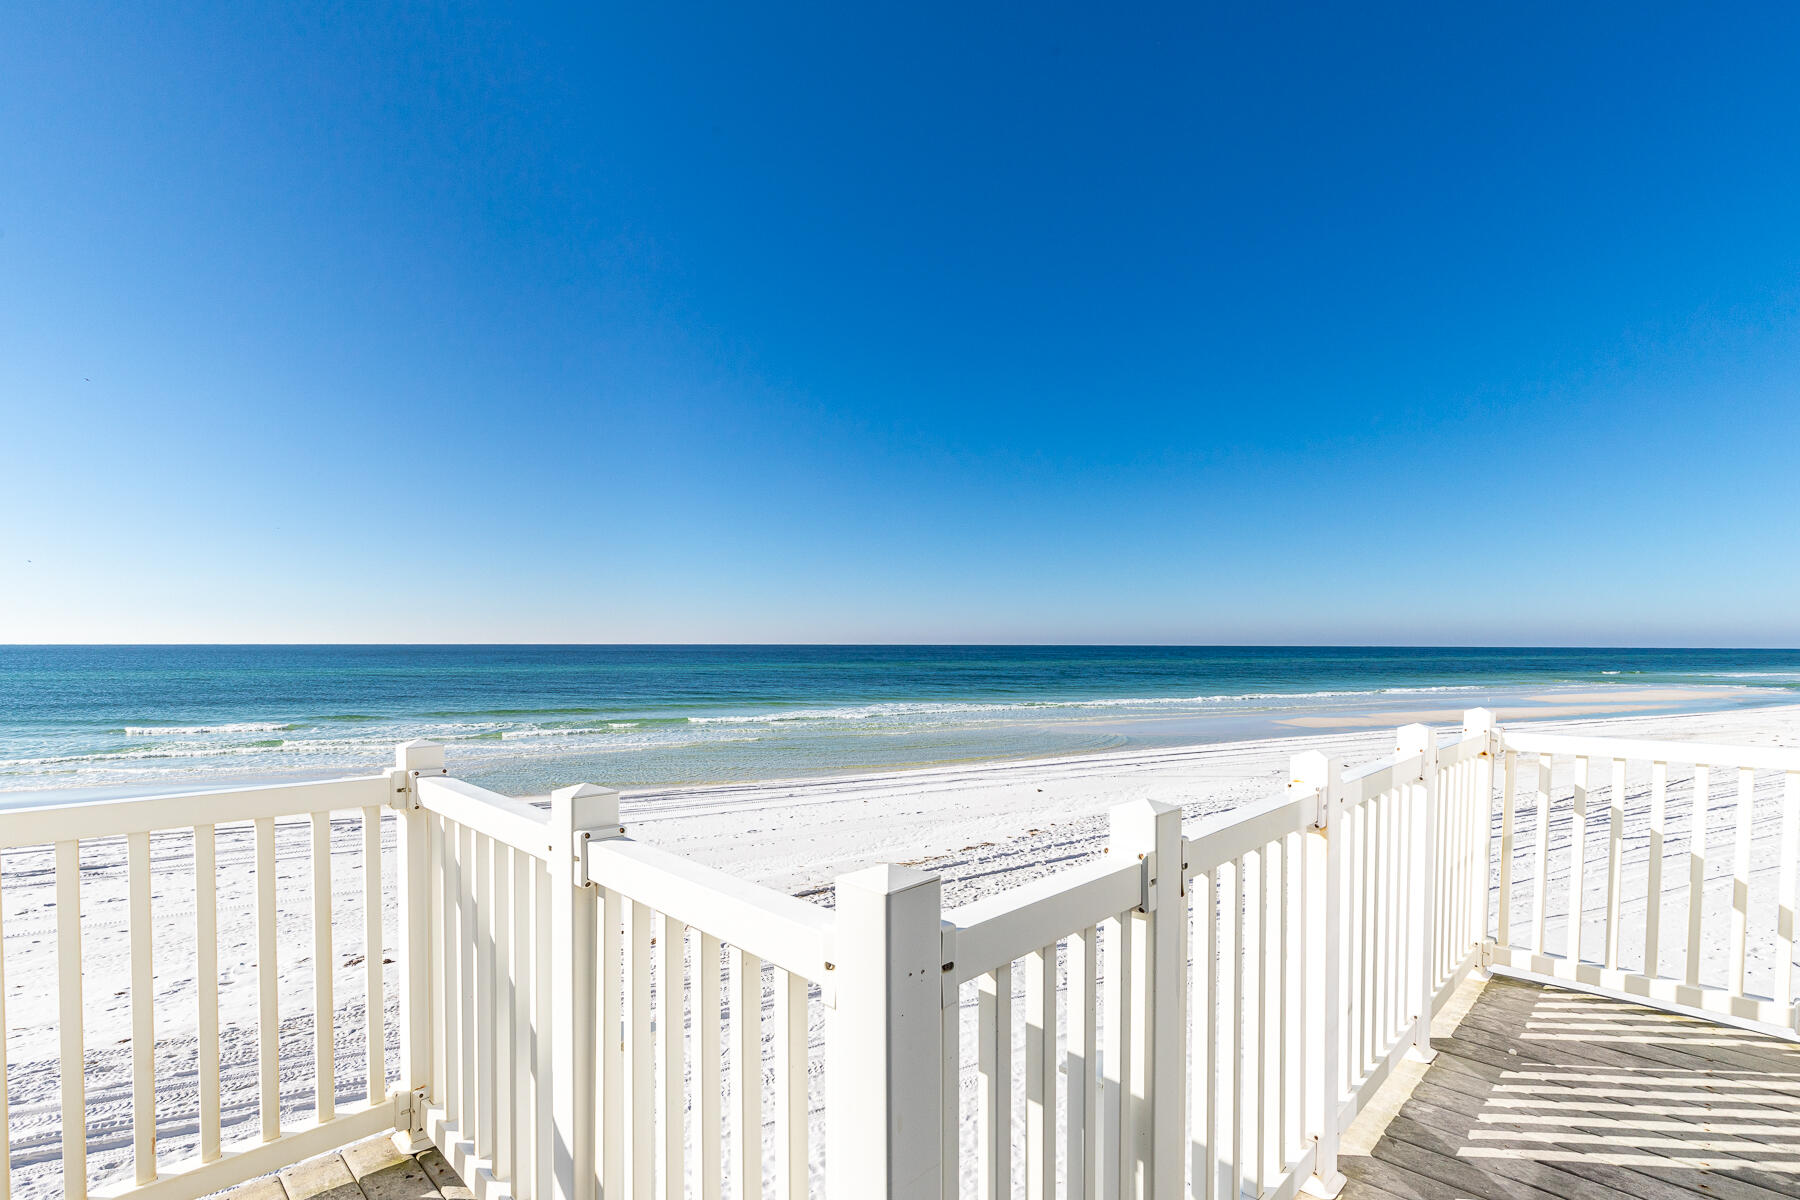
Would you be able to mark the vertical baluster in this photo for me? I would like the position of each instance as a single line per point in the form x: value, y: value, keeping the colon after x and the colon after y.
x: 1388, y: 967
x: 994, y: 1061
x: 1371, y: 946
x: 543, y: 1048
x: 482, y: 934
x: 1250, y: 1084
x: 1203, y: 1104
x: 1453, y: 914
x: 468, y: 923
x: 1577, y: 855
x: 206, y: 980
x: 1740, y: 879
x: 640, y: 1111
x: 69, y: 1030
x: 708, y: 1086
x: 792, y: 1170
x: 268, y: 1025
x: 1271, y: 1033
x: 1472, y: 904
x: 324, y: 1048
x: 450, y: 964
x: 143, y: 1019
x: 1116, y: 1139
x: 1786, y: 900
x: 1615, y: 852
x: 505, y: 1014
x: 1445, y: 918
x: 950, y: 1097
x: 746, y: 1074
x: 1296, y: 957
x: 1697, y: 870
x: 611, y: 1113
x: 1508, y: 790
x: 437, y: 978
x: 1653, y: 894
x: 1081, y: 1043
x: 1040, y: 1074
x: 671, y: 1069
x: 1540, y: 887
x: 1231, y: 1168
x: 374, y: 959
x: 523, y: 969
x: 1358, y: 972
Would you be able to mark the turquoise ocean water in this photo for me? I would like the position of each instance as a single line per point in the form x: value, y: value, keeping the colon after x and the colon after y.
x: 107, y: 719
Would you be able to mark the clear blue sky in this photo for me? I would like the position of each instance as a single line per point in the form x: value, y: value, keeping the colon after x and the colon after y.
x: 981, y: 323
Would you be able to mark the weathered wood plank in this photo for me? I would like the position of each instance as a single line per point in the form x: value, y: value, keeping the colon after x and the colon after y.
x: 1543, y: 1094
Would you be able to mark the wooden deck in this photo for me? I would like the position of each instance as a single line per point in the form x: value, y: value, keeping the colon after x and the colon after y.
x: 1539, y: 1093
x: 371, y: 1170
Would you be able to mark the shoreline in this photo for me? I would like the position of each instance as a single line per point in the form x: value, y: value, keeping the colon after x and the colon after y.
x: 1138, y: 733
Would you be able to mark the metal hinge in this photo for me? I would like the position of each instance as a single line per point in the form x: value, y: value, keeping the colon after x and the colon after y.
x: 409, y: 1112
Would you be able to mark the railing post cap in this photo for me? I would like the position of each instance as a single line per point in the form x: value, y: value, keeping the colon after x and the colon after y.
x: 580, y: 791
x: 419, y: 754
x: 1143, y: 807
x: 1478, y: 720
x: 584, y: 806
x: 1309, y: 769
x: 1411, y: 739
x: 887, y: 879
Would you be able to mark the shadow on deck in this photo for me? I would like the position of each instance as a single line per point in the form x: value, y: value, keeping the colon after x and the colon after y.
x: 1541, y: 1093
x: 371, y: 1170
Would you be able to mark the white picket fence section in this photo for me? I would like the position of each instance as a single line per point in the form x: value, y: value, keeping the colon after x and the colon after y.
x: 1201, y: 1013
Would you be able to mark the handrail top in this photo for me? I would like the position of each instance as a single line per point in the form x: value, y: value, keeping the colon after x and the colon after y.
x: 117, y: 817
x: 1016, y: 899
x: 1391, y: 762
x: 990, y: 932
x: 1704, y: 754
x: 514, y: 822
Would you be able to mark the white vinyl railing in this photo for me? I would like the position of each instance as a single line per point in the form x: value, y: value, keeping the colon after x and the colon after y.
x: 1696, y: 849
x: 227, y: 1137
x: 579, y: 1016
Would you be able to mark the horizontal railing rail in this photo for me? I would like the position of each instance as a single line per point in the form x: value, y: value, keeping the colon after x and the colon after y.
x: 1001, y: 928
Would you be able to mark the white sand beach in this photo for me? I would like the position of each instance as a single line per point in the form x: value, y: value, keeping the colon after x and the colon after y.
x: 983, y: 826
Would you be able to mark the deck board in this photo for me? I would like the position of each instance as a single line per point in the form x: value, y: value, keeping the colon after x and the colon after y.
x: 368, y: 1170
x: 1546, y: 1094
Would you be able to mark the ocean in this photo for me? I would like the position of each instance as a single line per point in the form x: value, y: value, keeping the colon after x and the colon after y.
x: 103, y: 720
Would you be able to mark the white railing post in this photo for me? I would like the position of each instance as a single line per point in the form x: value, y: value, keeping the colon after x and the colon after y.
x: 577, y: 814
x: 1325, y: 917
x: 1156, y: 1088
x: 884, y: 1122
x: 412, y: 880
x: 1420, y: 740
x: 1479, y: 722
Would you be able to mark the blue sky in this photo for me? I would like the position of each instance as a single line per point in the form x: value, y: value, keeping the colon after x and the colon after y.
x: 671, y: 323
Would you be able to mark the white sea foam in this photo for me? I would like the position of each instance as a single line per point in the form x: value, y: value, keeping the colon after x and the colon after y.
x: 190, y: 730
x: 927, y: 708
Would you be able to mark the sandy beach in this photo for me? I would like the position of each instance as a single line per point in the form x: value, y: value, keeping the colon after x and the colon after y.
x: 983, y: 826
